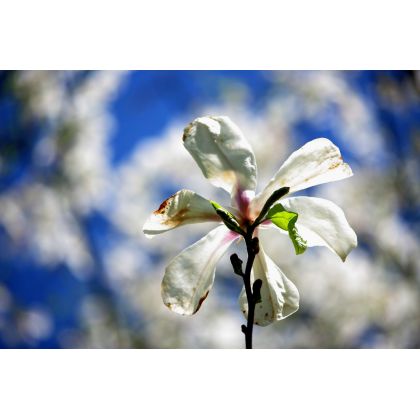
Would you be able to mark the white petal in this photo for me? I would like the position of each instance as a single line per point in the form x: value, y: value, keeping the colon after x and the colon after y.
x: 222, y: 153
x: 189, y: 276
x: 279, y: 296
x: 317, y: 162
x: 321, y: 222
x: 182, y: 208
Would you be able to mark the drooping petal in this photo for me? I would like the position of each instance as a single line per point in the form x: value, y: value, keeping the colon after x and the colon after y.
x: 279, y: 296
x: 317, y: 162
x: 222, y: 153
x: 182, y: 208
x: 189, y: 276
x: 322, y: 223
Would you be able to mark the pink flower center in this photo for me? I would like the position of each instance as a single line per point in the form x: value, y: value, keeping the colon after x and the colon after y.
x: 243, y: 199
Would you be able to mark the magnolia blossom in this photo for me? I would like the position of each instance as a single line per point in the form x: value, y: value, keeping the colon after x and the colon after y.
x: 227, y: 161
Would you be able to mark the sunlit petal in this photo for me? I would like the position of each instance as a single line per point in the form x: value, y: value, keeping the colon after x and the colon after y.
x: 317, y: 162
x: 182, y: 208
x: 189, y: 276
x: 279, y: 296
x: 321, y: 222
x: 223, y: 154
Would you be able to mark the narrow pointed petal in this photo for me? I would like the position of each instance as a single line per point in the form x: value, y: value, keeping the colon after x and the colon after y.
x: 182, y: 208
x: 190, y: 275
x: 279, y: 296
x: 322, y: 223
x: 222, y: 153
x: 317, y: 162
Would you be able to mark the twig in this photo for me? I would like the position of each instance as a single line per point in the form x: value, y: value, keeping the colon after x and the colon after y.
x: 252, y: 293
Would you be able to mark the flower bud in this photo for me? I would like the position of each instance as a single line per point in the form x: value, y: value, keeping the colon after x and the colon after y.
x: 255, y: 245
x: 256, y: 290
x: 271, y: 200
x: 236, y: 264
x: 228, y: 218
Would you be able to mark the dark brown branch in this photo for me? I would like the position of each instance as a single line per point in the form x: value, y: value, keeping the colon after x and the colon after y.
x: 252, y: 294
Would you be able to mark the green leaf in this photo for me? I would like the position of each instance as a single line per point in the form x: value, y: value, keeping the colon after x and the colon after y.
x: 281, y: 217
x: 286, y: 220
x: 228, y: 218
x: 298, y: 242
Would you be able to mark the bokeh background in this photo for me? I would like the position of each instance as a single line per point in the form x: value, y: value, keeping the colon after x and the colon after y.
x: 86, y: 156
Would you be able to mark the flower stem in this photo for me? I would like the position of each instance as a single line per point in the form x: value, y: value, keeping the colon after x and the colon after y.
x: 251, y: 249
x: 253, y: 294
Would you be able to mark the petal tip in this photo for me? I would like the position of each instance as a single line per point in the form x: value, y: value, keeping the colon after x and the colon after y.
x: 187, y: 131
x: 347, y: 169
x: 352, y: 246
x: 148, y: 234
x: 147, y: 230
x: 170, y: 302
x: 176, y: 309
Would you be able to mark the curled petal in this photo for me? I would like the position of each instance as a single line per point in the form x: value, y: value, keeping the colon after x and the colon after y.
x: 189, y: 276
x: 182, y: 208
x: 222, y: 153
x: 317, y: 162
x: 322, y: 223
x: 279, y: 296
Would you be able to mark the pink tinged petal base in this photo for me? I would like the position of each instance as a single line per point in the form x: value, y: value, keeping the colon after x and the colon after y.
x: 184, y: 207
x: 190, y: 275
x: 317, y: 162
x: 279, y: 296
x: 242, y: 199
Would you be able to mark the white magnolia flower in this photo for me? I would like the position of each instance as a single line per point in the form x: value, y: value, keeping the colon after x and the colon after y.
x: 227, y: 161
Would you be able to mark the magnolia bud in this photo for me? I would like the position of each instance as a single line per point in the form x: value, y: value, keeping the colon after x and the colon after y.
x: 271, y: 200
x: 256, y: 290
x: 236, y: 264
x: 228, y: 218
x: 255, y: 245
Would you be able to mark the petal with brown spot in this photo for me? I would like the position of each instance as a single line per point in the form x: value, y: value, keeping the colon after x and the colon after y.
x: 184, y: 207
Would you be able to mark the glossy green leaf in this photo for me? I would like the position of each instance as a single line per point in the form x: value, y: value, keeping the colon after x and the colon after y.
x: 286, y: 220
